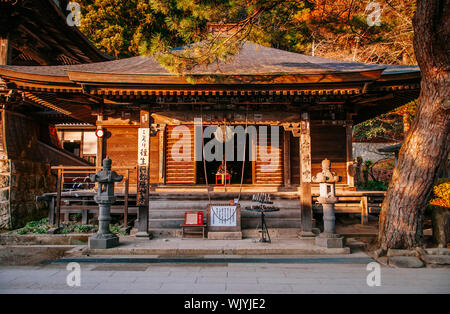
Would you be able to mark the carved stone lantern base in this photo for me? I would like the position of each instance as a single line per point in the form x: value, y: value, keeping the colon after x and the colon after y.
x: 103, y: 241
x: 330, y: 240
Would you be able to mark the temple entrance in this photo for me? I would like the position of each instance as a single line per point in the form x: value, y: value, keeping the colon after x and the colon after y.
x: 231, y: 165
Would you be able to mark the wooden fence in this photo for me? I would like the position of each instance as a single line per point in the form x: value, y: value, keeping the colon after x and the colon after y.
x: 75, y: 193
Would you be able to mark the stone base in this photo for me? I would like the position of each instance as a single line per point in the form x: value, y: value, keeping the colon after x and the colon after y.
x: 333, y: 241
x: 307, y: 234
x: 405, y: 262
x: 103, y: 241
x: 142, y: 234
x: 224, y: 235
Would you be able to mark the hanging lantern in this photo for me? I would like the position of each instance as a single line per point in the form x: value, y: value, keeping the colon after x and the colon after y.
x: 224, y: 133
x: 99, y: 133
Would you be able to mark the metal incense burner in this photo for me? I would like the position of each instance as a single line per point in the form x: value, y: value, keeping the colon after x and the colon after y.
x: 263, y: 200
x: 106, y: 178
x: 327, y: 182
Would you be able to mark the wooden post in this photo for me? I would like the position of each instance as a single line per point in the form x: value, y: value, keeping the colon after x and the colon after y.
x: 58, y: 198
x: 287, y: 158
x: 51, y: 212
x: 162, y: 144
x: 305, y: 177
x: 349, y: 147
x: 100, y: 144
x: 85, y: 215
x: 125, y: 199
x: 5, y: 50
x: 143, y: 180
x: 364, y: 210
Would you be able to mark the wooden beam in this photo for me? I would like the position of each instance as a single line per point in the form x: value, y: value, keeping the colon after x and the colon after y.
x: 5, y: 50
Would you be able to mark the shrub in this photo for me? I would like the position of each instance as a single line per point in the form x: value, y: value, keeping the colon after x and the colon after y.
x: 373, y: 186
x: 441, y: 193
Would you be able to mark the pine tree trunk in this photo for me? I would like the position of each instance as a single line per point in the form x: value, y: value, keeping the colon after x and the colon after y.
x: 427, y: 144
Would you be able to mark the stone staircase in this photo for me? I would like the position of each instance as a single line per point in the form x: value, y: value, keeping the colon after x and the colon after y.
x: 167, y: 209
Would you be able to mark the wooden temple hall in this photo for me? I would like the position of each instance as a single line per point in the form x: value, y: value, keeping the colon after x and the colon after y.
x: 144, y: 118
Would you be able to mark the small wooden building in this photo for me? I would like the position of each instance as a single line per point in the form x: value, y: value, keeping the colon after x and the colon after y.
x: 147, y: 113
x: 34, y: 33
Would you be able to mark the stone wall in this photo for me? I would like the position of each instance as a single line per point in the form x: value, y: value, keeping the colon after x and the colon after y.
x: 369, y: 151
x: 4, y: 194
x: 20, y: 183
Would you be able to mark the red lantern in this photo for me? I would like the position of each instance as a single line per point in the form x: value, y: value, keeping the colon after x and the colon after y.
x: 99, y: 133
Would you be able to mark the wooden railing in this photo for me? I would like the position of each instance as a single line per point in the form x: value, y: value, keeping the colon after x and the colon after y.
x: 361, y: 202
x: 74, y: 181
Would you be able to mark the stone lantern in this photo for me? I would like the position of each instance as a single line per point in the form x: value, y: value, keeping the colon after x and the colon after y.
x: 327, y: 182
x: 106, y: 178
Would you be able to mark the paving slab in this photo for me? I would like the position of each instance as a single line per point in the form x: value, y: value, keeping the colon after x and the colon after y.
x: 437, y: 259
x: 406, y: 262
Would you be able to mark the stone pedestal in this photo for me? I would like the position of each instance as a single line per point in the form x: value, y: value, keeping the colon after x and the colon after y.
x: 104, y: 238
x: 330, y: 240
x: 327, y: 179
x: 103, y: 241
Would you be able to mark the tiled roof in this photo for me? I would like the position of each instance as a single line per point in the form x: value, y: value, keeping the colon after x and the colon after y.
x: 252, y: 59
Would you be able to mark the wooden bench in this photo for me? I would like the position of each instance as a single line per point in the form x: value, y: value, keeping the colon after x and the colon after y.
x: 192, y: 230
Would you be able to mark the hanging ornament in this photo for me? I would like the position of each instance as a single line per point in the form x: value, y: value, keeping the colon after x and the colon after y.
x: 224, y: 133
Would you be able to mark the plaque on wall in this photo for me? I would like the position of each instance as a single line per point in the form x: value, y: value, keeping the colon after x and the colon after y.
x: 224, y: 217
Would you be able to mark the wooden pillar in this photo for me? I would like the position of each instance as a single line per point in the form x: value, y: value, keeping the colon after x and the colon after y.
x: 5, y: 50
x: 59, y: 187
x: 349, y: 148
x: 143, y: 172
x: 364, y: 210
x: 305, y: 176
x: 162, y: 155
x: 100, y: 144
x: 287, y: 157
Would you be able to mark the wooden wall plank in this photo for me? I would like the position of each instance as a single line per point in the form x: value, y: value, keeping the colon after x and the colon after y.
x: 122, y: 149
x: 180, y: 171
x: 326, y: 142
x: 269, y: 171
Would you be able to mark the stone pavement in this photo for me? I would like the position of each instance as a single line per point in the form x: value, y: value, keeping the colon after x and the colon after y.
x: 215, y: 278
x: 196, y: 246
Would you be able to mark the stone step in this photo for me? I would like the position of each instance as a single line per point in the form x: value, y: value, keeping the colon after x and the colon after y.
x: 245, y: 223
x: 179, y: 213
x: 203, y: 195
x: 202, y: 204
x: 253, y: 233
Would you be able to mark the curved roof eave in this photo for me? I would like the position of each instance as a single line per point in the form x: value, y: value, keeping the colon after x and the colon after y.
x: 255, y: 64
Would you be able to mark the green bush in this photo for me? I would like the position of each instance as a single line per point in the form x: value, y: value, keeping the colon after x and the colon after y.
x: 373, y: 186
x: 36, y: 226
x: 42, y: 226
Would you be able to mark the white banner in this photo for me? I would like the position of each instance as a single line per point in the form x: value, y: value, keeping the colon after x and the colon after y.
x: 223, y: 216
x: 143, y: 146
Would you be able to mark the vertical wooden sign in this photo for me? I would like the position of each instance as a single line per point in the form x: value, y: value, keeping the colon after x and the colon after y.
x: 143, y: 146
x: 143, y: 179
